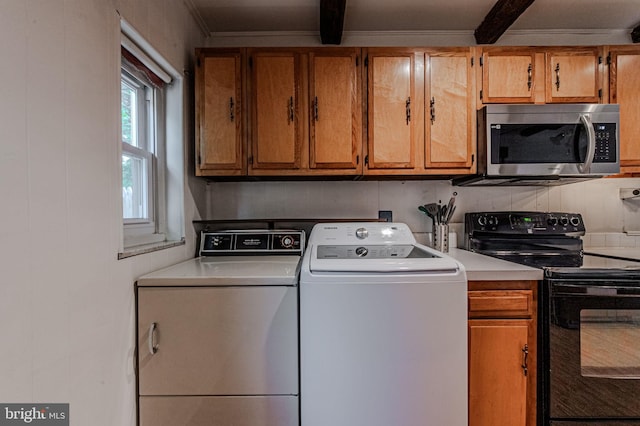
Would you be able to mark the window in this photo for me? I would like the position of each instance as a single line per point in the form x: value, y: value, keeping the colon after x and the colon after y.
x: 148, y: 130
x: 138, y: 150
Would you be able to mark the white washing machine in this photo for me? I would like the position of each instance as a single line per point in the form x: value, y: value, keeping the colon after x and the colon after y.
x: 383, y: 329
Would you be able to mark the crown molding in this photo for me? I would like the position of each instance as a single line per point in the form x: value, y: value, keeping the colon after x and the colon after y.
x: 195, y: 13
x: 421, y: 38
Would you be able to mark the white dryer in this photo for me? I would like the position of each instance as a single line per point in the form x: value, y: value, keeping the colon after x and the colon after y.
x: 383, y: 329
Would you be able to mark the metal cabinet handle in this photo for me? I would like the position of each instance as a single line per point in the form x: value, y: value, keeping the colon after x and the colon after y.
x: 408, y: 109
x: 291, y: 109
x: 153, y: 346
x: 525, y: 359
x: 315, y: 108
x: 529, y: 77
x: 557, y: 76
x: 231, y: 109
x: 432, y: 108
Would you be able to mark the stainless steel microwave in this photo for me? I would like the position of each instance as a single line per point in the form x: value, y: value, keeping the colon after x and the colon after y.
x: 546, y: 144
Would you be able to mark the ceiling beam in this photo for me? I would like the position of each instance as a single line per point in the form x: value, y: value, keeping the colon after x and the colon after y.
x: 635, y: 34
x: 499, y: 19
x: 331, y: 20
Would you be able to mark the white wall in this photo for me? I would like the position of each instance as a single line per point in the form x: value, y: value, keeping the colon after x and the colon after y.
x: 66, y: 303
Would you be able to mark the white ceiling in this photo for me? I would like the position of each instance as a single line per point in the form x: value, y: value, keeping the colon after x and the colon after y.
x: 224, y: 16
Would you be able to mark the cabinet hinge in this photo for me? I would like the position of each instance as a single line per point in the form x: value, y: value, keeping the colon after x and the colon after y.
x: 473, y: 158
x: 481, y: 61
x: 599, y: 59
x: 357, y: 61
x: 250, y: 159
x: 472, y: 61
x: 357, y: 160
x: 198, y: 62
x: 366, y: 160
x: 609, y: 59
x: 250, y: 61
x: 480, y: 93
x: 366, y: 61
x: 199, y: 160
x: 600, y: 93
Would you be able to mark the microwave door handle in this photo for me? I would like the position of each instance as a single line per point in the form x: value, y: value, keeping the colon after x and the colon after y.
x: 591, y: 149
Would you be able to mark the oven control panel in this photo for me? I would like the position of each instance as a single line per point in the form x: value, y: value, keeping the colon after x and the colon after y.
x: 524, y: 223
x: 262, y: 242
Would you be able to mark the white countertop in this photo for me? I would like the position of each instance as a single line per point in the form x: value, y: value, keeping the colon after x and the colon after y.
x: 484, y: 268
x: 631, y: 253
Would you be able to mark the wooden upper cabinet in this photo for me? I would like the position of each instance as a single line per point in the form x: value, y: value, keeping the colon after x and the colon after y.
x: 508, y: 76
x: 219, y: 113
x: 275, y: 122
x: 573, y: 75
x: 624, y: 89
x: 392, y: 106
x: 335, y: 117
x: 542, y: 75
x: 450, y: 107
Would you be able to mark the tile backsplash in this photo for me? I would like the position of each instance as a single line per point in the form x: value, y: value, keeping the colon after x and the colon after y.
x: 605, y: 214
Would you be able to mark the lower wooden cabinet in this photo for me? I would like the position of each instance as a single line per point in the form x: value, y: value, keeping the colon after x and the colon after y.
x: 502, y: 353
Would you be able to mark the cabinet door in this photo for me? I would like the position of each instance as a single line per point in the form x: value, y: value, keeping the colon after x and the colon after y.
x: 275, y: 119
x: 450, y: 119
x: 508, y: 76
x: 573, y: 75
x: 497, y: 382
x: 336, y: 109
x: 624, y: 80
x: 218, y: 341
x: 219, y: 125
x: 391, y: 100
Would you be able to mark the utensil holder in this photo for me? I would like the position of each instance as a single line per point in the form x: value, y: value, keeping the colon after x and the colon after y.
x: 441, y: 237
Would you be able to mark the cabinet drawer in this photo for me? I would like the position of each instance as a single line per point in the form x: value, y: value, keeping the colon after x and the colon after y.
x: 501, y: 304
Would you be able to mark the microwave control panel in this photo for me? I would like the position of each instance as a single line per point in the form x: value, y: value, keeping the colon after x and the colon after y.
x: 605, y: 143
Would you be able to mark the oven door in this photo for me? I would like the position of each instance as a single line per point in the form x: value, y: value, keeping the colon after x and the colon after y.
x: 594, y: 352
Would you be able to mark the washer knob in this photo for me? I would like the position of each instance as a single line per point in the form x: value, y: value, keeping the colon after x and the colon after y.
x: 552, y: 221
x: 362, y: 233
x: 564, y: 221
x: 575, y: 220
x: 361, y: 251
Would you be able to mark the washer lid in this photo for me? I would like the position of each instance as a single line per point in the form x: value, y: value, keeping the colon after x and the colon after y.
x: 379, y: 258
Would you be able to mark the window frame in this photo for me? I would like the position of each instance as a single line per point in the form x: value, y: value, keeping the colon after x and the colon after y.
x: 166, y: 227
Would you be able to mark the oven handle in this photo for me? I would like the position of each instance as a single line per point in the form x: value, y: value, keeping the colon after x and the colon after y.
x: 521, y: 253
x: 594, y: 290
x: 591, y: 149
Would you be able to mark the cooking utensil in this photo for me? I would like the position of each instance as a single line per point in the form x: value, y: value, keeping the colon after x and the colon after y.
x: 433, y: 210
x: 425, y: 211
x: 449, y: 209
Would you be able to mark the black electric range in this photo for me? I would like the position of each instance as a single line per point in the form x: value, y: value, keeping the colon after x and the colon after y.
x: 588, y: 317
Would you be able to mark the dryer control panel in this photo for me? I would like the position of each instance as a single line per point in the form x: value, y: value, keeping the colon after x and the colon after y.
x: 263, y: 242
